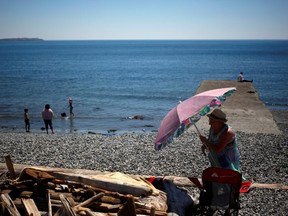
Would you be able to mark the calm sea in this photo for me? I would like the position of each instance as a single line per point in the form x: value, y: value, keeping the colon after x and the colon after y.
x: 112, y: 80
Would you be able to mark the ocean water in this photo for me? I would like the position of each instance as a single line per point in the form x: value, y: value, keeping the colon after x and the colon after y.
x: 112, y: 80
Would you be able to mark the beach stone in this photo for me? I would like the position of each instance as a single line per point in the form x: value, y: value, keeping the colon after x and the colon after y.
x: 263, y: 159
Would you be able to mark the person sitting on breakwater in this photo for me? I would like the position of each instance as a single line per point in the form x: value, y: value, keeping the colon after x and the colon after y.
x: 240, y: 78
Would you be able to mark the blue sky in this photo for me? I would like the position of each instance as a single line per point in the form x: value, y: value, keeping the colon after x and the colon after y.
x: 144, y: 19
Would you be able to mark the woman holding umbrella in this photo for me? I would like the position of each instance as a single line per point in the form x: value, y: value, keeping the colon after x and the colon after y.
x: 221, y: 142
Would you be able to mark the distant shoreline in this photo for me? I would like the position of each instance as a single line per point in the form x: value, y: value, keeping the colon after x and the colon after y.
x: 21, y: 39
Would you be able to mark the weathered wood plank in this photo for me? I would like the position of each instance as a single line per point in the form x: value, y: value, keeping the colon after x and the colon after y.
x: 36, y: 174
x: 110, y: 183
x: 89, y: 201
x: 128, y: 209
x: 49, y: 203
x: 10, y: 167
x: 68, y: 208
x: 102, y: 206
x: 269, y: 186
x: 30, y: 207
x: 9, y: 205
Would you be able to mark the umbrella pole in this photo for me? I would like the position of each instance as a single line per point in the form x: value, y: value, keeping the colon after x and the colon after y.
x: 197, y: 129
x: 211, y: 156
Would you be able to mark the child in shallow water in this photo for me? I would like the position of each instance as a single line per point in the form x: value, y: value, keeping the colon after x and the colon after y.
x: 27, y: 120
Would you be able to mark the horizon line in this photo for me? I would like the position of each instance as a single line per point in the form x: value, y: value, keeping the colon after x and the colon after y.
x: 37, y: 38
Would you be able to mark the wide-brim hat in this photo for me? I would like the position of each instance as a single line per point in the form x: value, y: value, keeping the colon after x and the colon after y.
x: 218, y: 115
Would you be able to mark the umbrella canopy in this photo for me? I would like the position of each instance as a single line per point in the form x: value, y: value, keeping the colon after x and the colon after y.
x: 189, y: 112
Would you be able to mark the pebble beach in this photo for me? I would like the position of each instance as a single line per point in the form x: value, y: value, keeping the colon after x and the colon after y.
x: 263, y: 158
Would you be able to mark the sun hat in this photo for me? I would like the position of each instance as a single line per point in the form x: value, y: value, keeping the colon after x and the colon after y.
x: 218, y: 115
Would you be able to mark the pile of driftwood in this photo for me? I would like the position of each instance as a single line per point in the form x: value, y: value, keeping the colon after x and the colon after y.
x: 37, y: 192
x: 47, y: 191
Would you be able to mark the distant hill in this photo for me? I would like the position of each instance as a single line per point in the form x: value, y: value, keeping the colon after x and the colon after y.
x: 21, y: 39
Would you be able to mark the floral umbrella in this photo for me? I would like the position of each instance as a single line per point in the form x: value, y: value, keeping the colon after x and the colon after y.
x: 188, y: 112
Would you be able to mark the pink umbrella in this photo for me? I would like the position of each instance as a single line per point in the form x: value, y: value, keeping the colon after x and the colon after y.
x: 188, y: 113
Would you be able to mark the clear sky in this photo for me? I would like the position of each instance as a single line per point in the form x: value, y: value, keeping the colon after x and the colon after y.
x: 144, y: 19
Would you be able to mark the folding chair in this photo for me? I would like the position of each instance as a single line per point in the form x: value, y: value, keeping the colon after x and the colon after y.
x: 219, y: 191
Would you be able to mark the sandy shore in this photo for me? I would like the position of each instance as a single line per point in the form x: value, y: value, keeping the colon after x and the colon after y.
x: 264, y: 158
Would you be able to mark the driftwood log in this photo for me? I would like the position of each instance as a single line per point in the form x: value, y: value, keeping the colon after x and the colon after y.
x: 177, y: 180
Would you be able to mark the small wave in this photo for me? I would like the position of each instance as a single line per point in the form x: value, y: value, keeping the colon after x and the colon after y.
x: 10, y: 117
x: 138, y: 97
x: 277, y: 106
